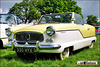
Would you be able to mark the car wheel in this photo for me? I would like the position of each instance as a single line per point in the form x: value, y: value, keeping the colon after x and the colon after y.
x: 91, y: 46
x: 64, y: 54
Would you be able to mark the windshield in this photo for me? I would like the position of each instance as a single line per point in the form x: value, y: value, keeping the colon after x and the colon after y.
x: 59, y: 18
x: 7, y: 19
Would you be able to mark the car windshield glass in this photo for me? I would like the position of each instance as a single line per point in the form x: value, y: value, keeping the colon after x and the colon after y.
x: 7, y: 19
x: 58, y: 18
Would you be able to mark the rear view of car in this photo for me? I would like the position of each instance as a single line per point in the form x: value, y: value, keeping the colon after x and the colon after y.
x: 97, y: 30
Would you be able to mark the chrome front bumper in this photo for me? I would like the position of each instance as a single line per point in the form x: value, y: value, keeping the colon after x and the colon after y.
x: 37, y: 46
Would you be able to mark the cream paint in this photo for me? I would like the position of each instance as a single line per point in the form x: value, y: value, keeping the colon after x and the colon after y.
x: 41, y: 28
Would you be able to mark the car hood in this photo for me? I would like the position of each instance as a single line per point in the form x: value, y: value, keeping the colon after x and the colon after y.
x: 41, y: 28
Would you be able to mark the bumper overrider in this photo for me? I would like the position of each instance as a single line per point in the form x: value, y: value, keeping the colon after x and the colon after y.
x: 31, y: 48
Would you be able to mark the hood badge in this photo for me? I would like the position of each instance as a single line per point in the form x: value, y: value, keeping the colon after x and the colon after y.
x: 26, y: 43
x: 27, y: 36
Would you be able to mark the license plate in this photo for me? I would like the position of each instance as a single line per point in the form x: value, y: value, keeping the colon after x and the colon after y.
x: 24, y: 50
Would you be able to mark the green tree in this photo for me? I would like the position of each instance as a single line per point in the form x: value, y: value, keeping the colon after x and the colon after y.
x: 33, y: 9
x: 25, y: 11
x: 59, y: 6
x: 92, y: 20
x: 98, y: 23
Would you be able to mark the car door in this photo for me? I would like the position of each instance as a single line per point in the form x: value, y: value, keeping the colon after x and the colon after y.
x: 83, y: 28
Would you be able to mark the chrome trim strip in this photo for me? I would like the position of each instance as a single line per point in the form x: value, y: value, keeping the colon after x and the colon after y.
x: 35, y: 46
x: 39, y: 46
x: 22, y: 45
x: 4, y: 38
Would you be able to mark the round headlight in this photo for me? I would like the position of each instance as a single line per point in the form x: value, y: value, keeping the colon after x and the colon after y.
x: 50, y: 31
x: 8, y: 32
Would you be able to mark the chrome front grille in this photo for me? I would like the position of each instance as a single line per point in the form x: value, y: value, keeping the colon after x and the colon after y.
x: 29, y: 37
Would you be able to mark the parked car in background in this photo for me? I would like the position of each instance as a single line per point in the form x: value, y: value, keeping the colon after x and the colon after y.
x: 6, y: 20
x: 58, y: 33
x: 97, y: 29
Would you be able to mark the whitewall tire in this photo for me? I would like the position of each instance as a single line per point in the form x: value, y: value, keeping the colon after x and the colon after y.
x: 65, y: 53
x: 91, y: 46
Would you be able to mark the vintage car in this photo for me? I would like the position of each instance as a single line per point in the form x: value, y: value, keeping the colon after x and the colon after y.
x: 6, y: 20
x: 58, y: 33
x: 97, y: 30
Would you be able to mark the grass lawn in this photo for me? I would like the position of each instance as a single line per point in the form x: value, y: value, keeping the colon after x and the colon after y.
x: 10, y: 59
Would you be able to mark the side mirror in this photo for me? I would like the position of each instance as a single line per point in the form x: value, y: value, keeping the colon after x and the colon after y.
x: 83, y: 23
x: 72, y: 19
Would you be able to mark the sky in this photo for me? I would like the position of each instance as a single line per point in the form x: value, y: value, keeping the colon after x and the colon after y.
x: 88, y: 6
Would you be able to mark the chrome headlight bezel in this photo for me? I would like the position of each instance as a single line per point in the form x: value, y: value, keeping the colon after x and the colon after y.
x: 50, y: 31
x: 8, y: 32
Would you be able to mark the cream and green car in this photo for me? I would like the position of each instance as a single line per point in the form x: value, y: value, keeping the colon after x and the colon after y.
x: 58, y: 33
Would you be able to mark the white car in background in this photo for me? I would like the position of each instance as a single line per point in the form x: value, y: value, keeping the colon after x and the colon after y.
x: 6, y: 20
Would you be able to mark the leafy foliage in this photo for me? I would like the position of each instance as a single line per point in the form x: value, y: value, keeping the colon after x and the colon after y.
x: 33, y: 9
x: 92, y: 20
x: 25, y: 11
x: 59, y: 6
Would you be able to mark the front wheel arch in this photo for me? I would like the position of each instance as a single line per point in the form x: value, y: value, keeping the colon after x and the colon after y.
x: 94, y: 41
x: 70, y: 48
x: 91, y: 45
x: 66, y: 53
